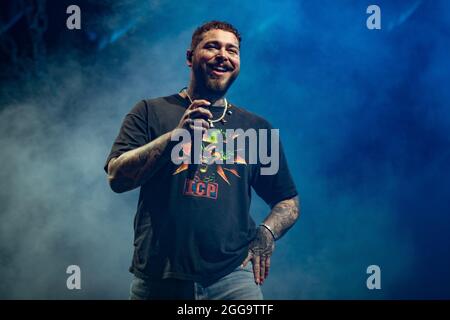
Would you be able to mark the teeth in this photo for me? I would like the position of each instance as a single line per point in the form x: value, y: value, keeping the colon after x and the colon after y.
x: 220, y: 69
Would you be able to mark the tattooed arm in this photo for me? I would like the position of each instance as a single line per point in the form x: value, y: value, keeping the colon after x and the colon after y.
x: 132, y: 168
x: 282, y: 217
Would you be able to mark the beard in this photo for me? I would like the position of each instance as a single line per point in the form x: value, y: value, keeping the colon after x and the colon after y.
x: 218, y: 85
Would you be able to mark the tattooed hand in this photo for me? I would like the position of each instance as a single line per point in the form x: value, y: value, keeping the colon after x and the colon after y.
x: 281, y: 218
x: 260, y: 250
x: 195, y: 117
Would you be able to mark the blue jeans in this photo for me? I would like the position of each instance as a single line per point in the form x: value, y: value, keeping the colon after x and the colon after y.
x: 237, y: 285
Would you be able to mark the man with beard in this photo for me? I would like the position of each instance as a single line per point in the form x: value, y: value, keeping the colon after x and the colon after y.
x: 194, y: 236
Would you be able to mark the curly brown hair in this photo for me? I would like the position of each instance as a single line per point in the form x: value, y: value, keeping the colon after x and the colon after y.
x: 198, y: 33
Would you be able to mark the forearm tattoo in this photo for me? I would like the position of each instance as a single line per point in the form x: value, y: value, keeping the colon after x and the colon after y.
x: 283, y: 216
x: 135, y: 167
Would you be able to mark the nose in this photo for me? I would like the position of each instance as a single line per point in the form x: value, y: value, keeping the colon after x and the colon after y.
x: 222, y: 55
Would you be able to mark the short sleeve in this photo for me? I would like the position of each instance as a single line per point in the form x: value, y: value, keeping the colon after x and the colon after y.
x: 133, y: 133
x: 275, y: 187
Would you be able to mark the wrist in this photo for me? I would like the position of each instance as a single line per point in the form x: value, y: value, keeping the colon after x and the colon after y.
x: 265, y: 226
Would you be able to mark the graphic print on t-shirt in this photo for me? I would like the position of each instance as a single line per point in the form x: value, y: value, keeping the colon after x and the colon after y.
x: 204, y: 183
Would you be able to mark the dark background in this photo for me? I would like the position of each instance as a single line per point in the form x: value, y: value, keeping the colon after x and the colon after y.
x: 363, y: 115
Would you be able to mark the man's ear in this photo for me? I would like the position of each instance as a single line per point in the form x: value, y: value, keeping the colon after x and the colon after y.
x: 189, y: 54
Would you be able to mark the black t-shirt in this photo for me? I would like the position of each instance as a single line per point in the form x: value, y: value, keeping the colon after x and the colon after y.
x: 192, y: 222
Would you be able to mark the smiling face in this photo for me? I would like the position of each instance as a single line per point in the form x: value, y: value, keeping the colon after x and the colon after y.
x: 215, y: 61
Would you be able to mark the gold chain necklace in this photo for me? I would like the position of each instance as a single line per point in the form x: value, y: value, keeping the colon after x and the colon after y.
x: 221, y: 118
